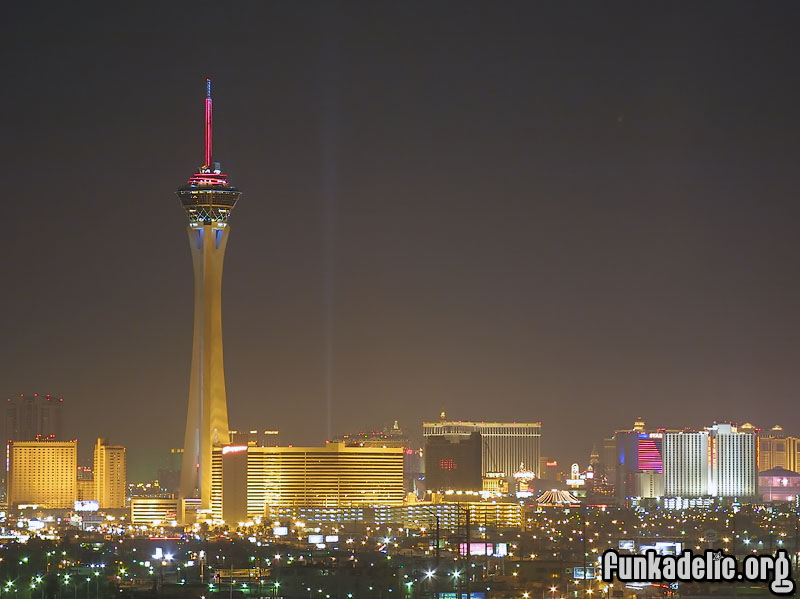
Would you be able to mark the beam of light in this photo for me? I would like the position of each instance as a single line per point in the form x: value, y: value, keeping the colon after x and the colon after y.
x: 329, y: 79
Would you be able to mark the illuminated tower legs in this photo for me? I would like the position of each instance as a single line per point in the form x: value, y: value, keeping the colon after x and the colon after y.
x: 207, y: 418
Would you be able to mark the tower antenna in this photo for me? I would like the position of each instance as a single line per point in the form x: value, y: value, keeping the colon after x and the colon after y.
x: 207, y: 162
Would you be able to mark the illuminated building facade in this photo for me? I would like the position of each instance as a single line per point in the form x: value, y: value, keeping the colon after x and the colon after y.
x: 716, y: 462
x: 110, y: 475
x: 687, y: 469
x: 734, y: 463
x: 649, y: 484
x: 453, y: 462
x: 249, y: 479
x: 504, y: 445
x: 778, y: 484
x: 776, y: 450
x: 451, y: 514
x: 44, y: 473
x: 495, y: 483
x: 208, y: 200
x: 29, y: 417
x: 522, y: 481
x: 85, y: 490
x: 155, y: 511
x: 392, y: 436
x: 638, y: 452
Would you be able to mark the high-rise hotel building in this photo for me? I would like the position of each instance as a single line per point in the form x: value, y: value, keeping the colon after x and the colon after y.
x: 110, y: 475
x: 776, y: 450
x: 504, y: 445
x: 734, y: 462
x: 43, y: 473
x: 638, y: 462
x: 687, y: 467
x: 247, y: 479
x: 718, y: 462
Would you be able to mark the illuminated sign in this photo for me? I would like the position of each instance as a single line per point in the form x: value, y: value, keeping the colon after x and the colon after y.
x: 87, y: 506
x: 650, y: 455
x: 583, y: 574
x: 662, y: 548
x: 233, y: 449
x: 315, y: 539
x: 482, y: 549
x: 280, y: 531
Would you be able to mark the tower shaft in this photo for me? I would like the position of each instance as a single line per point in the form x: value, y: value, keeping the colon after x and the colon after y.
x: 207, y: 417
x: 208, y: 200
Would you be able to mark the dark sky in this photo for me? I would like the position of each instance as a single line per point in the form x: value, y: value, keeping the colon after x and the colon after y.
x: 573, y: 212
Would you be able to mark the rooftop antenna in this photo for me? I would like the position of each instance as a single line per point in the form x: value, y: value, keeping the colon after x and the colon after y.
x: 207, y: 162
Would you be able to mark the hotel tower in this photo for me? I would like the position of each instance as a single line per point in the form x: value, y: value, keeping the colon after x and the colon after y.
x: 208, y: 200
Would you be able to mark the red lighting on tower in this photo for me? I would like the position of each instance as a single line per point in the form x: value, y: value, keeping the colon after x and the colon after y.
x: 208, y: 124
x: 209, y: 174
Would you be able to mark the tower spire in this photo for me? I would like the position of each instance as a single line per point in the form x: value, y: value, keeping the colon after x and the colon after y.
x: 207, y: 162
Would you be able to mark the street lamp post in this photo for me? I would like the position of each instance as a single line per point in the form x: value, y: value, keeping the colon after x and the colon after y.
x: 436, y: 552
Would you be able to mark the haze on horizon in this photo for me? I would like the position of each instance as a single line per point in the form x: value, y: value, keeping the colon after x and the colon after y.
x: 576, y: 214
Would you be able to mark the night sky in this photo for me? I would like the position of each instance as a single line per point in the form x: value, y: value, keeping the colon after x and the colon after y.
x: 571, y: 212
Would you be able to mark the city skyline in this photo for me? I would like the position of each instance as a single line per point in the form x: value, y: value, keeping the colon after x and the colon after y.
x: 528, y: 217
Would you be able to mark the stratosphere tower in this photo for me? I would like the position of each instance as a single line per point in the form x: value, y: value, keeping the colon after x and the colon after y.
x: 208, y: 200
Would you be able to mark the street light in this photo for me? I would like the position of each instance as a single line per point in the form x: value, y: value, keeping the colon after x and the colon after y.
x: 457, y: 582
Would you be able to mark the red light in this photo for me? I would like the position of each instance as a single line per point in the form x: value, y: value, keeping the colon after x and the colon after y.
x: 447, y: 464
x: 208, y: 179
x: 208, y: 123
